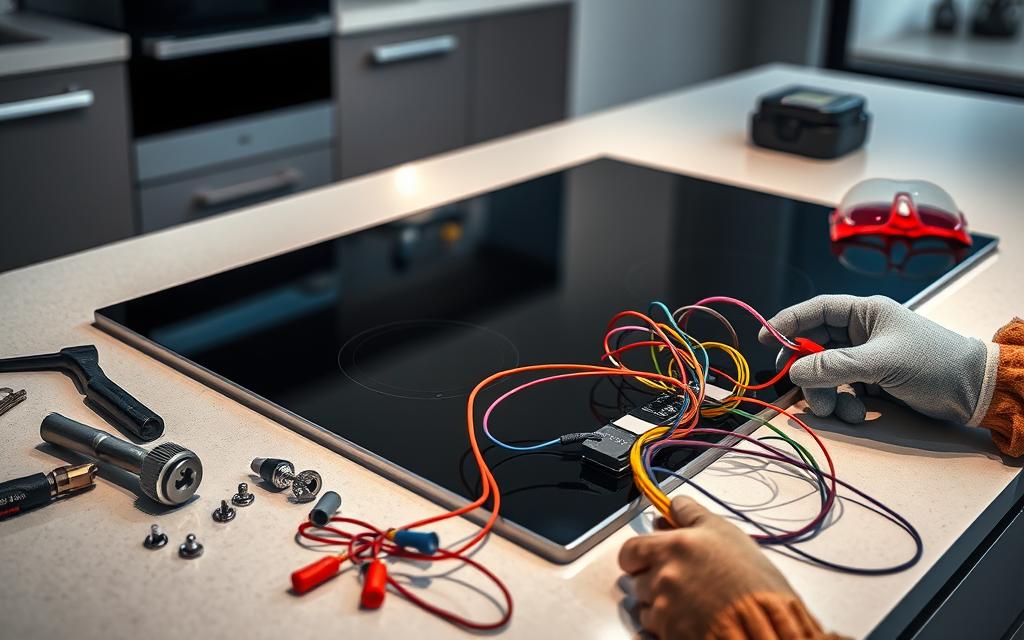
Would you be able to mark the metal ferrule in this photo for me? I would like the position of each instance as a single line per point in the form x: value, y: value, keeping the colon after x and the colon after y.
x: 64, y: 480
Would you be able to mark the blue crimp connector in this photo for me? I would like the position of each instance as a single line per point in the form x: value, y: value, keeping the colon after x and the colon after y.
x: 426, y: 542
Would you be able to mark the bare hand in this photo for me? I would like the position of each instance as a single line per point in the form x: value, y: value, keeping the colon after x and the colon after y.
x: 684, y: 577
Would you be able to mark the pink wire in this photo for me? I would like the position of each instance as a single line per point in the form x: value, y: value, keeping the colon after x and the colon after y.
x: 527, y: 385
x: 786, y: 342
x: 622, y: 329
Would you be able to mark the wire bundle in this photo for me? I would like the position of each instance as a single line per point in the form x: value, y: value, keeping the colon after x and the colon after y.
x: 680, y: 367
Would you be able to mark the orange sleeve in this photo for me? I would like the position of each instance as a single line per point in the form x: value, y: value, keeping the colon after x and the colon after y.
x: 1005, y: 415
x: 766, y: 616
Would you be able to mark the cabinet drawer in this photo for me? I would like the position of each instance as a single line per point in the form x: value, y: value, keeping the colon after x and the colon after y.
x: 201, y: 196
x: 66, y: 181
x: 402, y: 95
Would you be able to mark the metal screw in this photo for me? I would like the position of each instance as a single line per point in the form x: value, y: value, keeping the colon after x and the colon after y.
x: 224, y: 513
x: 155, y: 539
x: 191, y: 548
x: 243, y: 498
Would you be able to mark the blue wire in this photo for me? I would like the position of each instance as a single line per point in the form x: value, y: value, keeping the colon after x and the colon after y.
x: 679, y: 416
x: 532, y: 447
x: 696, y: 346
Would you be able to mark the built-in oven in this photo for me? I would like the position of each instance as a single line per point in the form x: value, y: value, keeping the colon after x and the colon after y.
x: 231, y: 101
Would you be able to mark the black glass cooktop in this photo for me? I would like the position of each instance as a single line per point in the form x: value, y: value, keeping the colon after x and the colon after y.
x: 371, y: 342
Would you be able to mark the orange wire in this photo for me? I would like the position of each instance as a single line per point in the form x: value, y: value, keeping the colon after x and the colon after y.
x: 489, y: 485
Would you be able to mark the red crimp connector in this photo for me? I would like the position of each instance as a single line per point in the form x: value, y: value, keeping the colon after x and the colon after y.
x: 311, y: 575
x: 375, y: 583
x: 806, y: 347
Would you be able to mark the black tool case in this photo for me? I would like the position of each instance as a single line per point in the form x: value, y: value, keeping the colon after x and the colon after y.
x: 810, y: 122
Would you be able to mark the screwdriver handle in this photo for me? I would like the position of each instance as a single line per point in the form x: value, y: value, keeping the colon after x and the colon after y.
x: 23, y: 494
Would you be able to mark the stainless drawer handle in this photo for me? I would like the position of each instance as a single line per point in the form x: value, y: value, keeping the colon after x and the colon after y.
x: 69, y: 101
x: 284, y: 179
x: 171, y: 48
x: 426, y: 47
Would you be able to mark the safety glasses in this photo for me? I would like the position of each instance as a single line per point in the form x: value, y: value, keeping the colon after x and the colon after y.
x: 909, y: 209
x: 882, y: 256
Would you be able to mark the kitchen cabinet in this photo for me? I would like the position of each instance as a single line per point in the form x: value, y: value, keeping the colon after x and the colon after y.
x: 519, y: 72
x: 985, y: 597
x: 408, y: 93
x: 66, y: 180
x: 402, y: 95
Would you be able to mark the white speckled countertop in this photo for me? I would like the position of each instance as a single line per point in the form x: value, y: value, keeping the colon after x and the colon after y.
x: 358, y: 16
x: 79, y: 569
x: 56, y: 44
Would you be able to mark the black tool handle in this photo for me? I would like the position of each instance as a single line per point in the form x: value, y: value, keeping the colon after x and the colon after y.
x: 105, y: 397
x: 23, y: 494
x: 102, y: 395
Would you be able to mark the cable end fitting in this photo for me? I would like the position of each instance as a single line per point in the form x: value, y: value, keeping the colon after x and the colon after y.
x: 375, y: 582
x: 806, y: 347
x: 575, y: 438
x: 315, y: 574
x: 426, y: 542
x: 65, y: 480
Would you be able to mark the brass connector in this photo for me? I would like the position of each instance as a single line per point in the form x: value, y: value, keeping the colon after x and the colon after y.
x: 64, y: 480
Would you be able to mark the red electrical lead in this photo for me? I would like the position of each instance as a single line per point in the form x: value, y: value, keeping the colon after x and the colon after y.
x: 375, y: 583
x: 313, y: 574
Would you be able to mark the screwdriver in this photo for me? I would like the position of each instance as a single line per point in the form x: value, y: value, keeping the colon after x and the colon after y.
x: 22, y: 494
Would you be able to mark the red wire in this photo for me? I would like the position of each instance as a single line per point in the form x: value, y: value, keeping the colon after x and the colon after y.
x: 376, y: 539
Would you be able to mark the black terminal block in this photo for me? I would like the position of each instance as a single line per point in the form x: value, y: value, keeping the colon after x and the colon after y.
x: 611, y: 452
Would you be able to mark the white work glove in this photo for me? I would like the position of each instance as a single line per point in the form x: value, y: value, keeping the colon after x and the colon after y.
x: 892, y: 351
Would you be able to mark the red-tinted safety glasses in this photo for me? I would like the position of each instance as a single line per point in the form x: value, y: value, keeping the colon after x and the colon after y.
x: 910, y: 209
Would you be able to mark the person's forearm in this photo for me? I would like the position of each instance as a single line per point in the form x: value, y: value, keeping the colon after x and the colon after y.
x: 1005, y: 414
x: 766, y: 616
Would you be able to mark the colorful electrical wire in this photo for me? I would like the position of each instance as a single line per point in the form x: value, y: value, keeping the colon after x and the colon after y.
x: 681, y: 368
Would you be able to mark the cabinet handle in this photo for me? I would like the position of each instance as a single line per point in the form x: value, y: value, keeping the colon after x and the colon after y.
x: 284, y: 179
x: 171, y: 48
x: 32, y: 107
x: 413, y: 49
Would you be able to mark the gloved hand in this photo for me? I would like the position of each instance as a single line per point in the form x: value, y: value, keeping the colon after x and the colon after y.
x: 683, y: 578
x: 892, y: 350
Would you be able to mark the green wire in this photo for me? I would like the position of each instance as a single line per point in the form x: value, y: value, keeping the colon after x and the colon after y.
x: 804, y: 453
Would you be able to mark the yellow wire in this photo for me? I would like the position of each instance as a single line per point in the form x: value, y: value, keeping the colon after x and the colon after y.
x: 647, y: 487
x: 742, y: 377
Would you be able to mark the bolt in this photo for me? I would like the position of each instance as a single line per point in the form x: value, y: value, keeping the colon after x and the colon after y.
x: 223, y: 513
x: 155, y: 539
x: 243, y: 498
x: 191, y: 548
x: 305, y: 485
x: 281, y: 474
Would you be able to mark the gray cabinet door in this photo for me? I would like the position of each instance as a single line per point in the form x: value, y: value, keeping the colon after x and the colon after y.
x: 402, y: 95
x: 520, y: 71
x: 65, y: 182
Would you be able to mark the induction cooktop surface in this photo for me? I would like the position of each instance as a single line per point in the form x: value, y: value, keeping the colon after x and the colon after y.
x: 371, y: 342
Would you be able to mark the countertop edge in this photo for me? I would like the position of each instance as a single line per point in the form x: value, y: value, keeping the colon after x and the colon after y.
x: 68, y: 45
x: 367, y: 18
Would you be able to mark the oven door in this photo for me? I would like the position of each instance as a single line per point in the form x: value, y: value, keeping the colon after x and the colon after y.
x: 207, y: 85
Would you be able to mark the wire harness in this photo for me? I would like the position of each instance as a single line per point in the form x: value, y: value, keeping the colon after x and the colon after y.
x: 680, y: 366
